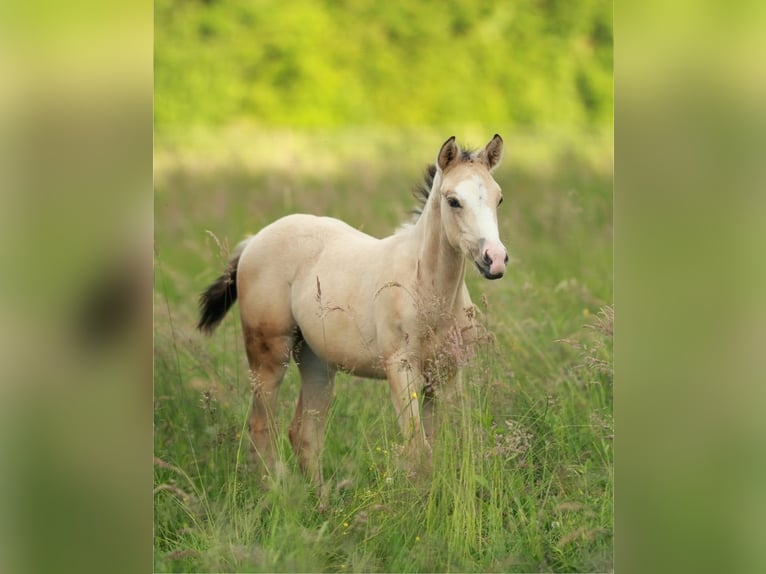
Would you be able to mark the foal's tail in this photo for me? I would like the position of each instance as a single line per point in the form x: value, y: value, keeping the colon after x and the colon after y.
x: 220, y: 295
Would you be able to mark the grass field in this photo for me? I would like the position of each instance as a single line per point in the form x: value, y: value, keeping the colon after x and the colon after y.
x: 523, y: 469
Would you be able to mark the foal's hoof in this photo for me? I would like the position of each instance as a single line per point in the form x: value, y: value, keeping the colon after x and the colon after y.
x: 416, y: 459
x: 323, y: 506
x: 273, y: 476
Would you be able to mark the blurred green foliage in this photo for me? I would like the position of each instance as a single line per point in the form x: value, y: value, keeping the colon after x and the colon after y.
x: 326, y: 63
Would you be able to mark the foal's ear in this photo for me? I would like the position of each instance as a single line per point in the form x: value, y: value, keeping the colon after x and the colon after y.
x: 447, y: 154
x: 492, y: 152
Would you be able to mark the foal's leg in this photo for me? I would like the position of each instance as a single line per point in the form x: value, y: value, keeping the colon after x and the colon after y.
x: 439, y: 394
x: 406, y: 383
x: 429, y: 410
x: 268, y: 355
x: 307, y: 427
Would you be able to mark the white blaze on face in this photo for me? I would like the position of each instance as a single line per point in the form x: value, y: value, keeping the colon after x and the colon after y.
x: 480, y: 213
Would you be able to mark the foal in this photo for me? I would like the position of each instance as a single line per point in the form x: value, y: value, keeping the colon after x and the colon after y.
x: 333, y: 298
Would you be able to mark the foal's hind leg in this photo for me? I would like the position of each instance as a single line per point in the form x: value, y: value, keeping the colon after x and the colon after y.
x: 307, y: 428
x: 268, y: 354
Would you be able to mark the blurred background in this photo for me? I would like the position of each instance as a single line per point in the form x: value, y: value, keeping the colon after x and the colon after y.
x: 332, y: 64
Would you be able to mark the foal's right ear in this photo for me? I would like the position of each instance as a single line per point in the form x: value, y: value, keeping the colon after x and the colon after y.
x: 493, y: 152
x: 447, y: 154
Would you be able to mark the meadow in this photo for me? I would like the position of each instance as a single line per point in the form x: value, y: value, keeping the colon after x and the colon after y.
x: 522, y: 477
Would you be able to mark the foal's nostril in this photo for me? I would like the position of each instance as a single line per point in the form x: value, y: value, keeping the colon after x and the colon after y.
x: 506, y: 258
x: 487, y: 258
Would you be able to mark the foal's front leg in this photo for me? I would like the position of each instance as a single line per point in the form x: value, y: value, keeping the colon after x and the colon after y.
x: 439, y: 393
x: 406, y: 382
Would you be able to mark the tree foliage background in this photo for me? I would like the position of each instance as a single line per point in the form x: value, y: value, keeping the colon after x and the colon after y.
x: 326, y: 63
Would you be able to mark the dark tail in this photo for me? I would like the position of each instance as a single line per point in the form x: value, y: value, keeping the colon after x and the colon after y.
x: 218, y: 298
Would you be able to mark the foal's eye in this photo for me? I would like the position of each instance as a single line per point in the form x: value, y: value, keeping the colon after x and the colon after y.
x: 453, y: 202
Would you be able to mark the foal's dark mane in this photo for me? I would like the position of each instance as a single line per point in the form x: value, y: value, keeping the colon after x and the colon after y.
x: 422, y: 190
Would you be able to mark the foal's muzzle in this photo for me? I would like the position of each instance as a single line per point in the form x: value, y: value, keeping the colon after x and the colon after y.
x: 493, y: 260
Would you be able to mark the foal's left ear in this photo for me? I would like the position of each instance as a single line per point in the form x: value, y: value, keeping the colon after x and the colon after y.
x: 492, y: 152
x: 447, y: 154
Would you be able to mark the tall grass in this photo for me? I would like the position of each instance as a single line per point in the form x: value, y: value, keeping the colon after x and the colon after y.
x: 521, y: 476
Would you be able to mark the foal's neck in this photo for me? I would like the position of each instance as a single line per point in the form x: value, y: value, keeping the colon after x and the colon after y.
x: 441, y: 268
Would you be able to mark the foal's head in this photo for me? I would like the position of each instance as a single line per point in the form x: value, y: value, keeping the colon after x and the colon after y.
x: 468, y: 199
